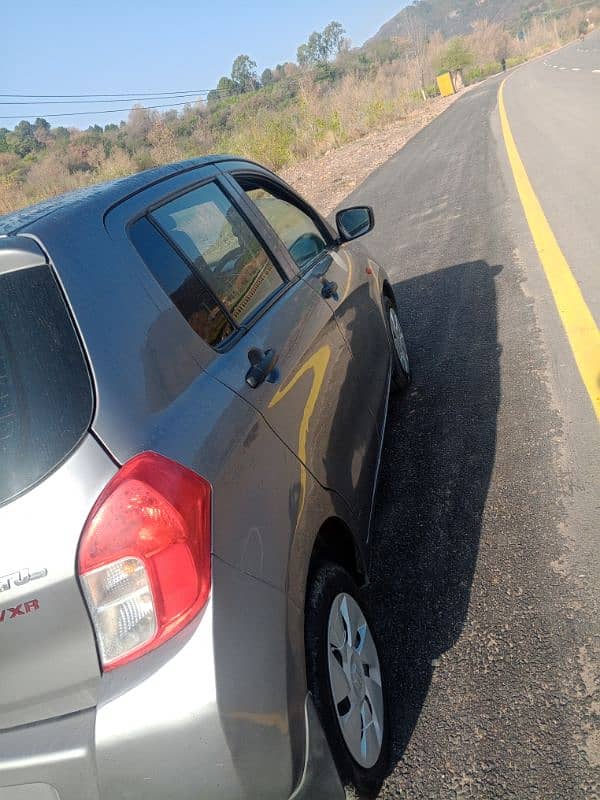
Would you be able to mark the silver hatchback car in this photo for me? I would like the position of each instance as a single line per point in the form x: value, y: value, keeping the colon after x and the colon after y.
x: 194, y: 378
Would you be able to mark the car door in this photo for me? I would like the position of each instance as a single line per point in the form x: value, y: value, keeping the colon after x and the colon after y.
x: 339, y: 276
x: 285, y: 355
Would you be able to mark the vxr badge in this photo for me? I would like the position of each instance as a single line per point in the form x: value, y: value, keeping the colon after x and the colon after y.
x: 20, y: 578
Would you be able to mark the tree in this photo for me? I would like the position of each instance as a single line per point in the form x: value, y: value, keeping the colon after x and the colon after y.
x: 139, y: 124
x: 490, y: 41
x: 22, y: 139
x: 243, y: 74
x: 226, y: 87
x: 303, y: 56
x: 163, y: 144
x: 61, y: 134
x: 41, y: 124
x: 267, y: 77
x: 457, y: 56
x: 418, y: 44
x: 321, y: 46
x: 313, y: 52
x: 333, y: 38
x: 289, y: 69
x: 41, y: 131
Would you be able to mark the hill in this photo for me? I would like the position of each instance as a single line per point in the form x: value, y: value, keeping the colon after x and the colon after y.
x: 456, y: 17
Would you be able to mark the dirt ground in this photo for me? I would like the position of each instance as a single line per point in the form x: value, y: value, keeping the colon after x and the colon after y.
x: 325, y: 181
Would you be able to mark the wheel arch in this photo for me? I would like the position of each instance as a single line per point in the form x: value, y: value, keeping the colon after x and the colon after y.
x: 335, y: 542
x: 387, y: 291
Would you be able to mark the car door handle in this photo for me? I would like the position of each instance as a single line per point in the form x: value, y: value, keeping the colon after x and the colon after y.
x: 262, y: 367
x: 328, y: 288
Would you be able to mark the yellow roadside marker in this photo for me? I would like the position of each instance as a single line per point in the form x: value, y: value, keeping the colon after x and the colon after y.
x: 581, y: 329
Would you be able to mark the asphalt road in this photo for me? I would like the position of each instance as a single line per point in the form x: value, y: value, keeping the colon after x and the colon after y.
x: 486, y: 573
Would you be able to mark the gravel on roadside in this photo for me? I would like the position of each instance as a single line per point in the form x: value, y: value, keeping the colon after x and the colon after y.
x: 324, y: 181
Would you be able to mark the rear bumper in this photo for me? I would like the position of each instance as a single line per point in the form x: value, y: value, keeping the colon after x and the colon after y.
x: 219, y: 712
x: 62, y: 766
x: 49, y: 760
x: 156, y: 733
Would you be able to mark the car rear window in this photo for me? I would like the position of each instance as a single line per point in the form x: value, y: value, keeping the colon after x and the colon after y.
x: 46, y: 399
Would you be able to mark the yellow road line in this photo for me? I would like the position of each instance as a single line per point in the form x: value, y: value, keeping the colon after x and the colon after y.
x: 581, y: 329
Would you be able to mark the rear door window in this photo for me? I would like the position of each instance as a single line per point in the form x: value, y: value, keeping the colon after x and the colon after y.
x: 221, y: 247
x: 195, y: 302
x: 46, y: 399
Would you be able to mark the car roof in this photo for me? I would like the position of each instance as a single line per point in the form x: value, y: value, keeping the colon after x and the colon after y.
x: 101, y: 196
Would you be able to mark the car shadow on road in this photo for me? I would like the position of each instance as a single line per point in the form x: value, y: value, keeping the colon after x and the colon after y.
x: 436, y: 469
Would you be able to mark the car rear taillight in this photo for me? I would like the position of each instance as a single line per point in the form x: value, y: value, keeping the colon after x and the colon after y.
x: 144, y: 556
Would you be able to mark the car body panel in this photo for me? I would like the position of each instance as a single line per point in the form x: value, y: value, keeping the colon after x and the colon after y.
x: 302, y: 407
x: 303, y: 404
x: 221, y: 708
x: 212, y: 429
x: 173, y: 722
x: 357, y: 308
x: 319, y: 778
x: 348, y: 429
x: 206, y: 730
x: 40, y: 533
x: 19, y: 253
x: 57, y: 754
x: 356, y: 305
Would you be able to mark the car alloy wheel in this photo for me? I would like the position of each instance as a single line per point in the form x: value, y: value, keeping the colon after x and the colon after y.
x: 401, y: 376
x: 398, y: 340
x: 355, y: 680
x: 346, y: 677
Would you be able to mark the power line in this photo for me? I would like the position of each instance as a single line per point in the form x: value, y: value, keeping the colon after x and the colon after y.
x: 86, y: 113
x: 220, y: 94
x: 82, y: 102
x: 116, y: 95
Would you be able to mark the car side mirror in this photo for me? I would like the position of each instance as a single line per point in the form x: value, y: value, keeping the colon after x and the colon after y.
x: 354, y: 222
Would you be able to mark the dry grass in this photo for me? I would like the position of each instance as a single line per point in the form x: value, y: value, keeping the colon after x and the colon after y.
x: 342, y: 129
x: 327, y: 179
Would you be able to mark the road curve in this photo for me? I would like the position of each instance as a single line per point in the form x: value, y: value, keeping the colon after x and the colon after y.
x: 485, y: 554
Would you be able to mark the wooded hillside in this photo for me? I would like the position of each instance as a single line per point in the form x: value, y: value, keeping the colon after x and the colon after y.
x: 331, y: 95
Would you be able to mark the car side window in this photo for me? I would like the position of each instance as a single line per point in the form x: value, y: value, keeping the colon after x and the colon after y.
x: 296, y: 229
x: 221, y: 247
x: 195, y: 302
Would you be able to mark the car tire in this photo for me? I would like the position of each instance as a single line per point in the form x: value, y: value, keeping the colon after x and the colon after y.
x: 401, y: 374
x: 345, y: 678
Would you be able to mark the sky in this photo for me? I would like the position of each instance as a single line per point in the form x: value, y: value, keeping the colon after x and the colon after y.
x: 59, y: 47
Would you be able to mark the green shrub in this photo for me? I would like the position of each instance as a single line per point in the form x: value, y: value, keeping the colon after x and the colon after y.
x: 456, y: 56
x: 331, y: 125
x: 378, y: 112
x: 474, y: 74
x: 268, y: 139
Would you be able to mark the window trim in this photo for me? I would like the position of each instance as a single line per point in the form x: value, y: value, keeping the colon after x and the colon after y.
x: 239, y: 329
